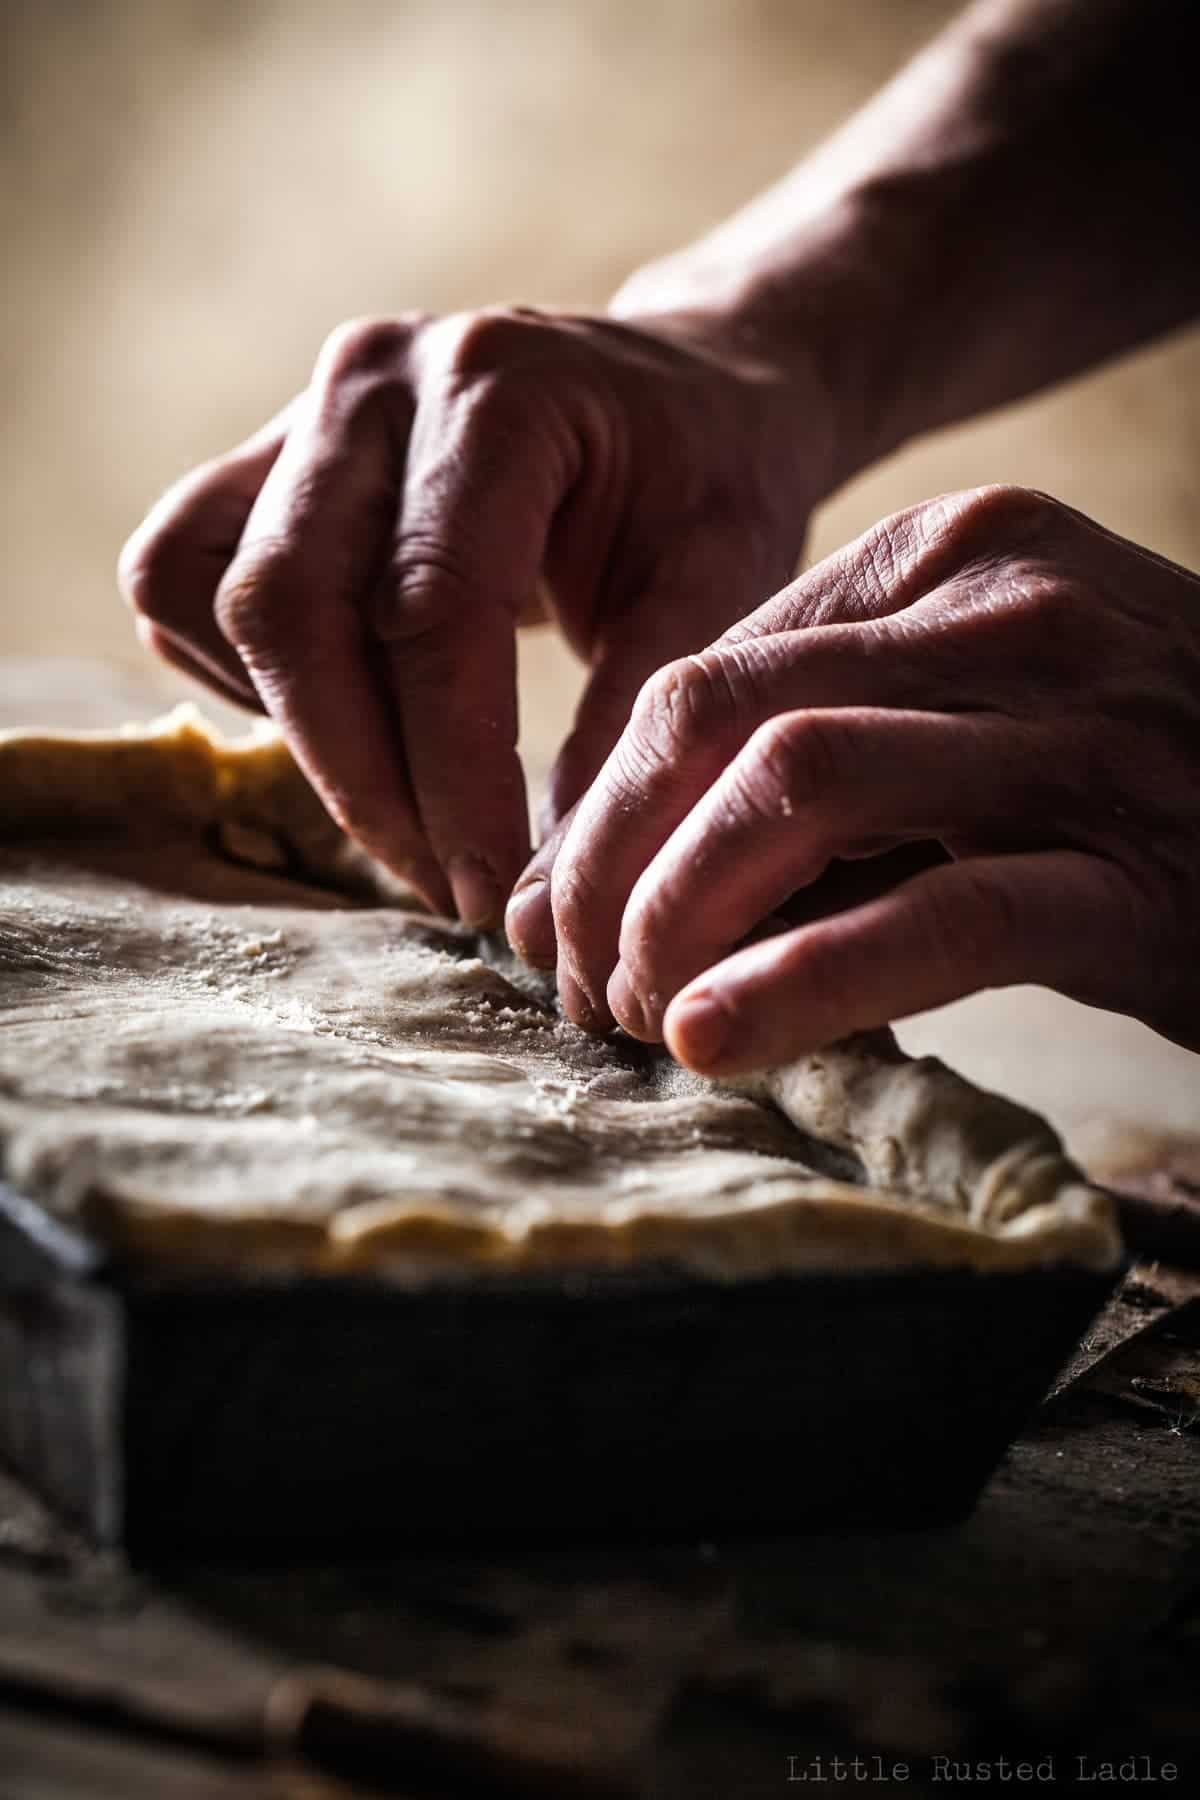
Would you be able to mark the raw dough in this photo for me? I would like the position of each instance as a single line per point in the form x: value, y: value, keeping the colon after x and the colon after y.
x: 221, y: 1040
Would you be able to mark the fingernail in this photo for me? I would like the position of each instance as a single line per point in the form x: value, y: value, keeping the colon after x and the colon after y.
x: 477, y: 894
x: 699, y: 1030
x: 578, y: 1006
x: 529, y: 924
x: 626, y: 1006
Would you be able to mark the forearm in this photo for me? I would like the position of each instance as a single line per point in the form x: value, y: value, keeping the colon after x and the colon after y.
x: 1019, y: 203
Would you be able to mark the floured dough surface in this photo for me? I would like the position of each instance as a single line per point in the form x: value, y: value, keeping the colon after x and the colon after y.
x: 223, y: 1041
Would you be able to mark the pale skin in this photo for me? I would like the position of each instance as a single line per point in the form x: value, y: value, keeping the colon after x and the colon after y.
x: 988, y: 707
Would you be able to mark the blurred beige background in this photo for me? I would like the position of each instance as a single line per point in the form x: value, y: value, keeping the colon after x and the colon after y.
x: 192, y: 192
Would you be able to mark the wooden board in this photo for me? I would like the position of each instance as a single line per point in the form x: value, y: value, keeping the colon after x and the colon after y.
x: 1063, y: 1618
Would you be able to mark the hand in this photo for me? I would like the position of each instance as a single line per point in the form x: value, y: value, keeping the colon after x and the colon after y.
x: 358, y: 568
x: 992, y: 677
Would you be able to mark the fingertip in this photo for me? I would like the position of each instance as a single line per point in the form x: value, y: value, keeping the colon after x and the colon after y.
x: 699, y: 1030
x: 478, y: 896
x: 429, y: 885
x: 579, y: 1007
x: 529, y: 924
x: 627, y: 1008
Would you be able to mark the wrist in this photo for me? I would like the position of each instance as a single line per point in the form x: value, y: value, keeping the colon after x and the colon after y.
x: 818, y: 315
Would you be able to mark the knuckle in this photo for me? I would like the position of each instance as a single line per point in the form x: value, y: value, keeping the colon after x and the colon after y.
x: 161, y: 555
x: 363, y: 348
x: 643, y: 927
x: 572, y: 897
x: 143, y: 573
x: 483, y: 343
x: 793, y: 759
x: 427, y: 593
x: 254, y: 601
x: 680, y: 707
x: 1003, y: 508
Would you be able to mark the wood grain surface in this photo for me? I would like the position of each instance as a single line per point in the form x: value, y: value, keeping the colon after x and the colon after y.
x: 1062, y: 1618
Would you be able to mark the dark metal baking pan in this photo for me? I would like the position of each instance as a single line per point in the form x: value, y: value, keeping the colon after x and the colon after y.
x: 297, y: 1413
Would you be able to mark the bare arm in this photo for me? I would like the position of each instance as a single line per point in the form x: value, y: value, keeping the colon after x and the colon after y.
x: 1019, y: 203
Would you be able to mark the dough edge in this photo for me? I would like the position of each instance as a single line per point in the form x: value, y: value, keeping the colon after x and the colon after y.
x: 912, y: 1124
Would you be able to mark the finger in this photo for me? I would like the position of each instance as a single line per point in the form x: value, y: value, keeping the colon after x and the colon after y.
x: 529, y: 916
x: 171, y: 567
x: 292, y: 600
x: 537, y: 607
x: 601, y: 716
x: 169, y: 649
x: 807, y: 788
x: 1054, y: 916
x: 880, y: 573
x: 694, y: 590
x: 887, y: 569
x: 856, y: 881
x: 486, y: 472
x: 698, y: 583
x: 845, y: 884
x: 688, y: 722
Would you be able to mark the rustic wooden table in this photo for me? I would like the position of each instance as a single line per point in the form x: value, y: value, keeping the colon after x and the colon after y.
x: 1060, y: 1622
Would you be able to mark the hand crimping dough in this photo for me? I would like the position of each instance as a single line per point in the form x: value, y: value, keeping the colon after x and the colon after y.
x: 222, y: 1041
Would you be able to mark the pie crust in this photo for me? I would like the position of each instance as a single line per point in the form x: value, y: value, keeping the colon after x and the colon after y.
x: 228, y: 1040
